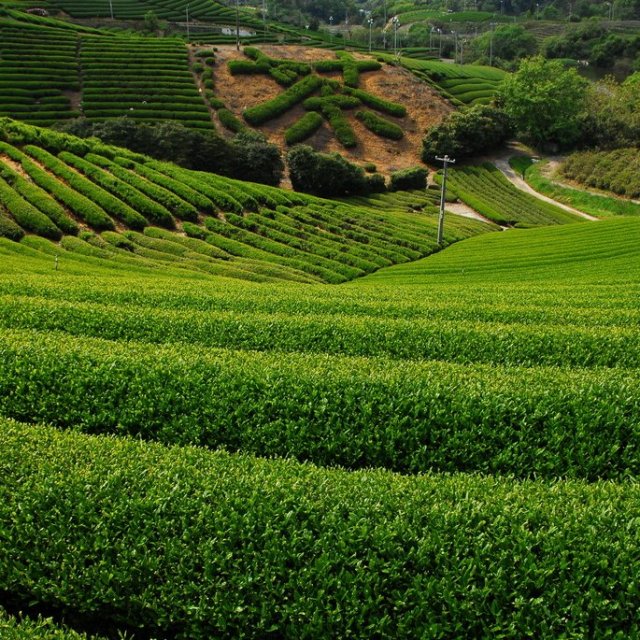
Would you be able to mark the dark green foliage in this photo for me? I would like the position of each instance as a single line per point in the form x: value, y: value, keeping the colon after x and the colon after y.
x: 391, y: 108
x: 258, y: 160
x: 229, y: 121
x: 8, y: 228
x: 466, y: 133
x: 324, y: 174
x: 282, y: 75
x: 380, y: 126
x: 241, y: 67
x: 376, y: 183
x: 317, y: 103
x: 408, y: 179
x: 545, y: 101
x: 303, y: 128
x: 270, y: 109
x: 340, y: 125
x: 203, y: 151
x: 327, y: 66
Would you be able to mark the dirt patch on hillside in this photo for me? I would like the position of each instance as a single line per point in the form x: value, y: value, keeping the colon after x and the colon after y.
x: 425, y: 107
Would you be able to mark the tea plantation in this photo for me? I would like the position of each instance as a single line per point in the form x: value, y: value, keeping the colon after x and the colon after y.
x: 231, y: 411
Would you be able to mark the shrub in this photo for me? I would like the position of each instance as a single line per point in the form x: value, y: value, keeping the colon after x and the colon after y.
x: 407, y: 179
x: 392, y: 108
x: 229, y: 121
x: 376, y: 183
x: 380, y: 126
x: 280, y: 104
x: 9, y: 229
x: 303, y: 128
x: 285, y: 77
x: 324, y: 174
x: 340, y: 125
x: 245, y: 67
x: 316, y: 103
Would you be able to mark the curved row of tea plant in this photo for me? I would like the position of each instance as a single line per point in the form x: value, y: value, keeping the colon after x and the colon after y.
x: 184, y: 543
x: 485, y: 189
x: 236, y: 228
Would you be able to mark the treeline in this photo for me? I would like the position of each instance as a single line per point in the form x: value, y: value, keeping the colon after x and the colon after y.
x: 248, y: 156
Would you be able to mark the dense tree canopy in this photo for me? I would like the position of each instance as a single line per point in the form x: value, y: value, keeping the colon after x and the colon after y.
x: 466, y: 133
x: 546, y: 101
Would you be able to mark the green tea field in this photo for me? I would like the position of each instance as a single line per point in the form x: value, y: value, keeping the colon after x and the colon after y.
x: 447, y: 444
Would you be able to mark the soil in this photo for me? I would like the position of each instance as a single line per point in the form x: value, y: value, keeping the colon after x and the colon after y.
x: 425, y: 108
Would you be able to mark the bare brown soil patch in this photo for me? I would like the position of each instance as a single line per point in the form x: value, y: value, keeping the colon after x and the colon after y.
x: 425, y: 108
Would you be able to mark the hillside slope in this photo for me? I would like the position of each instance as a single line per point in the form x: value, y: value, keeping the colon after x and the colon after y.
x: 110, y: 204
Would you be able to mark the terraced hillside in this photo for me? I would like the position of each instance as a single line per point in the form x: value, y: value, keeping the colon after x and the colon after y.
x: 463, y: 84
x: 485, y: 189
x: 360, y: 108
x: 110, y: 204
x: 512, y: 354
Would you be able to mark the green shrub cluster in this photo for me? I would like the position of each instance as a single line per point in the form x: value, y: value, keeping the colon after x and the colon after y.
x: 615, y: 171
x: 379, y: 104
x: 324, y: 174
x: 229, y: 120
x: 380, y: 126
x: 316, y: 103
x: 407, y: 179
x: 242, y: 67
x: 270, y: 109
x: 303, y: 128
x: 340, y: 125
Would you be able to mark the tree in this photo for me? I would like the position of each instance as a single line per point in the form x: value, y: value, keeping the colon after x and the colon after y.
x: 257, y: 159
x: 466, y: 133
x: 545, y: 101
x: 510, y: 42
x: 613, y: 113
